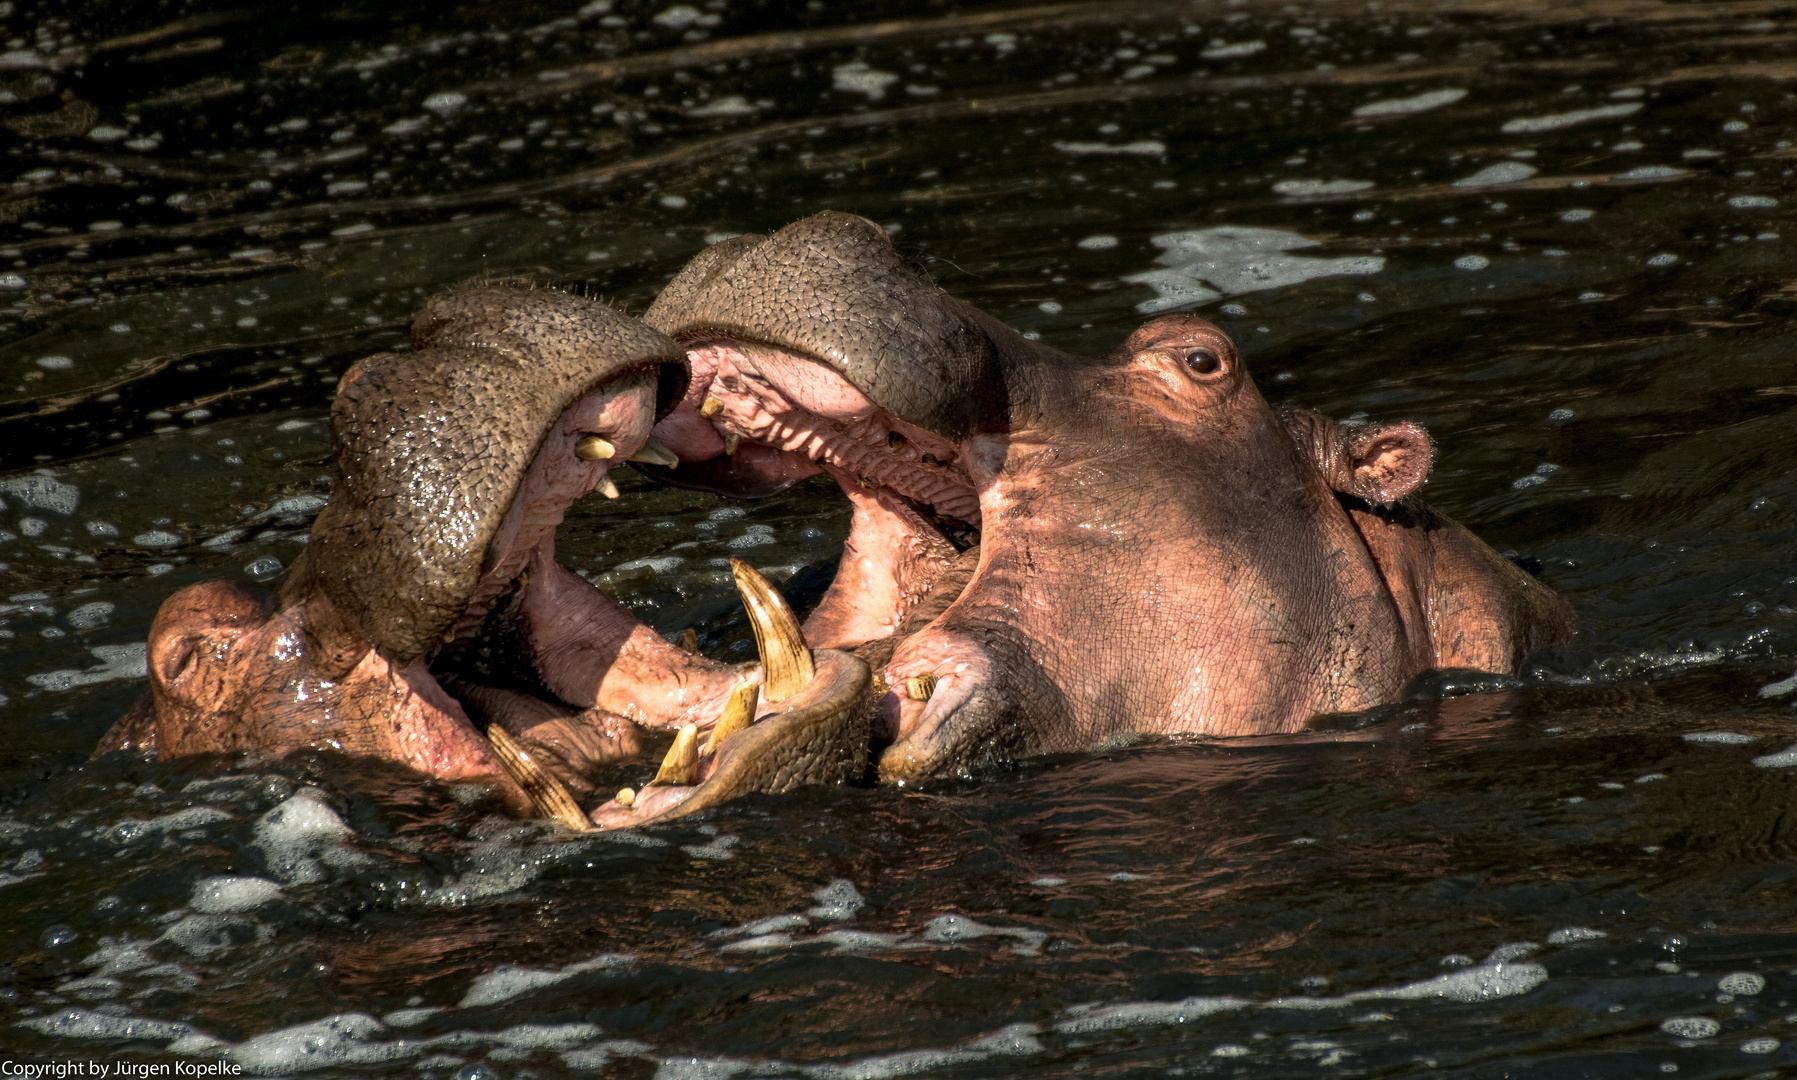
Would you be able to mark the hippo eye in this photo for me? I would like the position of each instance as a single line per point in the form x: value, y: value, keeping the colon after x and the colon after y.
x: 1203, y: 361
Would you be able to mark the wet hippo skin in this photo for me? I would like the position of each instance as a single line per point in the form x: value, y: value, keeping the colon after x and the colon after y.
x: 427, y: 618
x: 1049, y: 550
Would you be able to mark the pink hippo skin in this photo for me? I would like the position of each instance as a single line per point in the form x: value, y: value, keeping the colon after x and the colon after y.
x: 1048, y: 550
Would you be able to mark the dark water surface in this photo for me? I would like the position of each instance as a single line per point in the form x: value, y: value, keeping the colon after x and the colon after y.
x: 1558, y: 235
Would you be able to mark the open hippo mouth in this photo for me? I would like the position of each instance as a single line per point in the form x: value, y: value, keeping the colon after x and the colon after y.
x: 428, y: 623
x: 863, y: 371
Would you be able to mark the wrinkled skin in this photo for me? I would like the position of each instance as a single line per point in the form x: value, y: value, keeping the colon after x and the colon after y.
x: 1072, y: 548
x: 428, y: 604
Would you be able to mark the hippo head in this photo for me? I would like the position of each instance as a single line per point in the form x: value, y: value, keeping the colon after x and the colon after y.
x: 427, y: 622
x: 1047, y: 550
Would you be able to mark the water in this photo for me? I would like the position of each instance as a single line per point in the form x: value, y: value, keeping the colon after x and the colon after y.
x: 1558, y: 237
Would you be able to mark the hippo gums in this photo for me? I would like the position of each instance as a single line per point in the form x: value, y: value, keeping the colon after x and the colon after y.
x: 427, y: 621
x: 1047, y: 550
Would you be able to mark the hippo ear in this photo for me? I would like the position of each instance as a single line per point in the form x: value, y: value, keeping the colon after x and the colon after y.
x: 1389, y: 461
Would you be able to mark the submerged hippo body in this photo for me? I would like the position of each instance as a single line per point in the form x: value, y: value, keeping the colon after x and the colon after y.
x: 1048, y: 550
x: 427, y: 619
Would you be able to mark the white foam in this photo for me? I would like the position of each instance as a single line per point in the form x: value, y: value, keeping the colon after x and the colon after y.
x: 857, y: 77
x: 116, y: 662
x: 43, y: 492
x: 553, y: 1037
x: 848, y: 941
x: 445, y: 103
x: 411, y: 1017
x: 1504, y: 172
x: 88, y: 616
x: 759, y: 943
x: 219, y: 895
x: 717, y: 849
x: 82, y: 1024
x: 1741, y: 983
x: 1141, y: 147
x: 952, y: 929
x: 1483, y: 983
x: 1780, y: 688
x: 1301, y: 188
x: 1556, y: 121
x: 1433, y: 99
x: 1719, y: 738
x: 121, y: 957
x: 661, y: 564
x: 297, y: 506
x: 1690, y: 1027
x: 730, y: 105
x: 1763, y: 1045
x: 1098, y: 242
x: 300, y: 836
x: 210, y: 935
x: 1652, y: 172
x: 344, y: 1039
x: 505, y: 983
x: 127, y: 830
x: 1231, y: 260
x: 1571, y: 934
x: 1227, y: 50
x: 1472, y: 262
x: 1753, y: 202
x: 1086, y: 1018
x: 837, y: 901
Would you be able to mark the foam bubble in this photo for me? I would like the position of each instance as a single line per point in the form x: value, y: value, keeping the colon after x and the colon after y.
x: 116, y: 662
x: 729, y: 105
x: 1760, y: 1046
x: 1141, y: 147
x: 952, y: 929
x: 1556, y: 121
x: 82, y: 1024
x: 1204, y: 264
x: 837, y: 901
x: 43, y: 493
x: 1753, y: 202
x: 445, y: 103
x: 1471, y: 262
x: 227, y: 894
x: 857, y: 77
x: 1300, y: 188
x: 1098, y: 242
x: 760, y: 943
x: 1570, y: 934
x: 1088, y: 1018
x: 1433, y: 99
x: 847, y: 941
x: 1482, y: 983
x: 295, y: 836
x: 1651, y: 172
x: 505, y: 983
x: 88, y: 616
x: 344, y: 1039
x: 1504, y: 172
x: 1690, y: 1027
x: 1227, y: 50
x: 1741, y: 983
x: 1719, y: 738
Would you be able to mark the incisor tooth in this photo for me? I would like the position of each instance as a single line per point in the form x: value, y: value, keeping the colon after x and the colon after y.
x: 731, y: 441
x: 655, y: 452
x: 688, y: 641
x: 786, y: 666
x: 681, y: 766
x: 739, y: 713
x: 546, y: 792
x: 608, y: 489
x: 710, y: 407
x: 920, y: 687
x: 593, y: 448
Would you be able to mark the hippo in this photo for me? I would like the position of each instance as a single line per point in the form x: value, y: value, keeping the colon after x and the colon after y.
x: 427, y: 622
x: 1050, y: 551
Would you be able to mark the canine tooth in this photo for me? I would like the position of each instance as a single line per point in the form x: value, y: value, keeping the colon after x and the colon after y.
x: 786, y: 666
x: 681, y: 766
x: 710, y: 407
x: 739, y: 713
x: 593, y: 448
x: 546, y: 792
x: 731, y: 441
x: 920, y: 687
x: 655, y: 452
x: 626, y: 797
x: 608, y: 489
x: 689, y: 641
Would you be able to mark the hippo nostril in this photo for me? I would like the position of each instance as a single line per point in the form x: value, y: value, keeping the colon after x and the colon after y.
x: 593, y: 448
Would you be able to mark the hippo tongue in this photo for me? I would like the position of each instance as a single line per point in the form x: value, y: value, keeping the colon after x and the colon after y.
x: 812, y: 728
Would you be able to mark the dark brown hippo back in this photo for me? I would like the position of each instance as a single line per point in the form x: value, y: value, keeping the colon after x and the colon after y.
x: 432, y: 445
x: 832, y: 286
